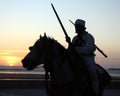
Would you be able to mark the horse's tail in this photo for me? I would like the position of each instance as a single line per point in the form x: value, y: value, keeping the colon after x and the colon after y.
x: 103, y: 75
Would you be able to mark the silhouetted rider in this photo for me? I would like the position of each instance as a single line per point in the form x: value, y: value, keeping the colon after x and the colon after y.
x: 84, y: 46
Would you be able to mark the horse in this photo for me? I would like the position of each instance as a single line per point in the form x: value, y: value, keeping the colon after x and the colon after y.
x: 68, y: 75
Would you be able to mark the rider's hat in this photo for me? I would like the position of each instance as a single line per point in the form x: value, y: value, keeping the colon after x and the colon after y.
x: 80, y: 22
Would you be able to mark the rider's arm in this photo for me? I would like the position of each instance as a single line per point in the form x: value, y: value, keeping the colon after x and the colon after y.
x: 88, y: 48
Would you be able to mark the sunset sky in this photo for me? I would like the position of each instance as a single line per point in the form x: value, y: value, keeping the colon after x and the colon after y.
x: 22, y: 21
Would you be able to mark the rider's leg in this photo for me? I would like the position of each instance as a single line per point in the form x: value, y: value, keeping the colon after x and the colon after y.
x: 90, y: 63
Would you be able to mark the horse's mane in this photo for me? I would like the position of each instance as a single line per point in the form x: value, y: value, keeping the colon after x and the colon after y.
x: 51, y: 41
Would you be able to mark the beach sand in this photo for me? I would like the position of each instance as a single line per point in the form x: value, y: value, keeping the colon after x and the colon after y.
x: 42, y: 92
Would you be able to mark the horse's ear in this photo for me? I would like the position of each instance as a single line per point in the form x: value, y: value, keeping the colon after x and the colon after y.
x: 40, y: 36
x: 45, y: 35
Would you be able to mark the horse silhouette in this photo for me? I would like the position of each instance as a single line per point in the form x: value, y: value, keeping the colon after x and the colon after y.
x: 68, y: 77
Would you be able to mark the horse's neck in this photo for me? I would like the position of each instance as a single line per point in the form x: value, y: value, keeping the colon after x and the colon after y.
x: 59, y: 69
x: 56, y: 57
x: 55, y: 60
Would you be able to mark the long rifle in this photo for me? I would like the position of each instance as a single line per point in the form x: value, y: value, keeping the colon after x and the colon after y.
x: 101, y: 51
x: 95, y: 46
x: 66, y: 35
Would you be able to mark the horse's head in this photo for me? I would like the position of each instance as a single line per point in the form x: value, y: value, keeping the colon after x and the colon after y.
x: 38, y: 53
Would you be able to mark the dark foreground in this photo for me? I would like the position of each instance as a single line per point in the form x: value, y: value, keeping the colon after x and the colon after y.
x: 36, y: 86
x: 32, y: 90
x: 41, y: 92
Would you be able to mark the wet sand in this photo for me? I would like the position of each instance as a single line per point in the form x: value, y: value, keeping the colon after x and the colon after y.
x: 42, y: 92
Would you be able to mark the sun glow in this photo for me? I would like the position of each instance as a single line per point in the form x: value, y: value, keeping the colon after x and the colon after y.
x: 12, y: 57
x: 11, y: 60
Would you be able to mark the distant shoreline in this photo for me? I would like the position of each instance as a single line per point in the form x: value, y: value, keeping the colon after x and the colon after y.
x: 118, y: 69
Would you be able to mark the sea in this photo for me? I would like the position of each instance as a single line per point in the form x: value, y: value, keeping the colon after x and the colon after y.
x: 20, y: 69
x: 20, y: 73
